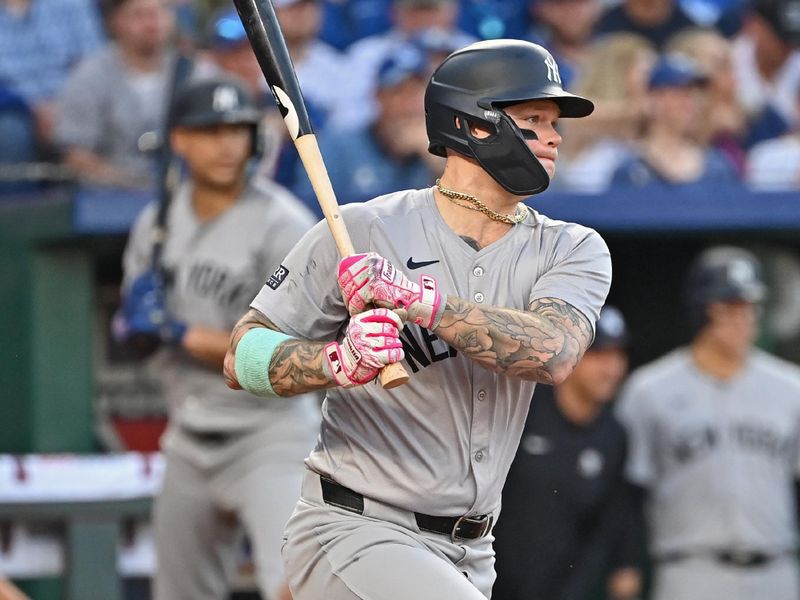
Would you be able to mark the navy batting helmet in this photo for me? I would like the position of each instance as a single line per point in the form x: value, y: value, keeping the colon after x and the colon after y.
x: 217, y: 101
x: 611, y: 331
x: 722, y: 274
x: 474, y: 84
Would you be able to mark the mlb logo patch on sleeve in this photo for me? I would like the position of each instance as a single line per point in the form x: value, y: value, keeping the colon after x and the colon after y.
x: 277, y: 277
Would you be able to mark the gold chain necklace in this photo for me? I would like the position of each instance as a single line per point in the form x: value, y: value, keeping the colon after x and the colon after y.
x: 475, y: 204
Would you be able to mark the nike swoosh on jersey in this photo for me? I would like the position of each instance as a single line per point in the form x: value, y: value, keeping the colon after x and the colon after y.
x: 418, y: 265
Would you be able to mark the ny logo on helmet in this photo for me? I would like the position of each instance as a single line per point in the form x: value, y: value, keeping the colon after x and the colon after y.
x: 225, y: 99
x: 552, y: 70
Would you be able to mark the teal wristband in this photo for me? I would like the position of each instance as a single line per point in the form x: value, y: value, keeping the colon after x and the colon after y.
x: 253, y: 355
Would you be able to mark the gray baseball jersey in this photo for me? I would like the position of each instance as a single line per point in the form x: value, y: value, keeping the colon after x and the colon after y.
x: 443, y: 443
x: 226, y: 450
x: 719, y: 458
x: 215, y: 269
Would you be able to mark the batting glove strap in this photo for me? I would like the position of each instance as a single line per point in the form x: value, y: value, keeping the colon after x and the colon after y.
x: 426, y: 311
x: 371, y: 342
x: 336, y: 365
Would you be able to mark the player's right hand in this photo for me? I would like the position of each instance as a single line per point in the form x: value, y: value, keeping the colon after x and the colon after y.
x: 370, y: 343
x: 367, y: 279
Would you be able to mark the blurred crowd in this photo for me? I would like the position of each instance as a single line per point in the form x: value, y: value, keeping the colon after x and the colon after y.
x: 688, y: 92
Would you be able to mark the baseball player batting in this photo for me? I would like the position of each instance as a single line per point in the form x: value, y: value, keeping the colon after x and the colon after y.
x: 715, y: 442
x: 234, y: 461
x: 403, y: 488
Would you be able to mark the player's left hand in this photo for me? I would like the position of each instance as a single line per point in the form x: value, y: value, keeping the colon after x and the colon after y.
x: 144, y: 313
x: 370, y: 343
x: 367, y: 279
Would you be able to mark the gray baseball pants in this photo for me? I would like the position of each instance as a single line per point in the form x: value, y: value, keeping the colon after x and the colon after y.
x: 250, y: 484
x: 334, y: 554
x: 704, y: 578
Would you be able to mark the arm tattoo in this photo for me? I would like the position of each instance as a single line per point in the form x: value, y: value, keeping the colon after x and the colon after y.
x: 542, y: 344
x: 297, y: 366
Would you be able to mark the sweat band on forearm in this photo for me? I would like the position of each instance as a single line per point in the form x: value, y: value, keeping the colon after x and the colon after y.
x: 253, y: 355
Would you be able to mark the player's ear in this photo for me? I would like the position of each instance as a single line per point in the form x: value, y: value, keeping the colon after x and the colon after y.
x: 177, y: 139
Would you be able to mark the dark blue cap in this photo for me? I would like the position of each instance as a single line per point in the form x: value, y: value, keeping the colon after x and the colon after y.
x: 675, y: 71
x: 226, y: 29
x: 611, y: 331
x: 403, y: 62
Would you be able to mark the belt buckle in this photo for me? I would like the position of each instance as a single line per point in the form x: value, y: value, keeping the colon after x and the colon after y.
x: 486, y: 520
x: 744, y: 558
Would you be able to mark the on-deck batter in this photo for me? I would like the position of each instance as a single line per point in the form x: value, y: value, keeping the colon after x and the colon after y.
x: 404, y: 485
x: 232, y: 459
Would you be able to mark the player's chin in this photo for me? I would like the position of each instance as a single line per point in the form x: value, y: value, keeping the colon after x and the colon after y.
x: 549, y: 166
x: 224, y: 175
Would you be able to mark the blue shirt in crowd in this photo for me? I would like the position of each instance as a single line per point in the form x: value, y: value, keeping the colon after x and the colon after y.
x: 360, y: 170
x: 39, y: 47
x: 636, y: 171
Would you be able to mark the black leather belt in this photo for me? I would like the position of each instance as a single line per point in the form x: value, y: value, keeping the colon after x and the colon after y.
x: 465, y: 528
x: 210, y: 437
x: 734, y: 558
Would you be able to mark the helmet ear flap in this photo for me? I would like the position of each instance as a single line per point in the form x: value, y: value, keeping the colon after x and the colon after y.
x: 257, y: 141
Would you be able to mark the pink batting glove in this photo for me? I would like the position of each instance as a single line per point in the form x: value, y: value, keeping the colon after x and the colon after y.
x: 370, y: 343
x: 367, y: 279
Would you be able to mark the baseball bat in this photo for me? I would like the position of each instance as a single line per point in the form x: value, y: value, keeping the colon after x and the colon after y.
x: 269, y: 46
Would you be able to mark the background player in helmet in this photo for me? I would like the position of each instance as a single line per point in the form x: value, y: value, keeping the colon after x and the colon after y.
x: 231, y: 458
x: 715, y: 440
x: 404, y: 485
x: 570, y: 525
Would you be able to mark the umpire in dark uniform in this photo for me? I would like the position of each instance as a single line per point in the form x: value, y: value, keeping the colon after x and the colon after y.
x: 569, y: 529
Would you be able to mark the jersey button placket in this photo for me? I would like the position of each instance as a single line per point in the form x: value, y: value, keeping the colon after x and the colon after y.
x: 477, y: 271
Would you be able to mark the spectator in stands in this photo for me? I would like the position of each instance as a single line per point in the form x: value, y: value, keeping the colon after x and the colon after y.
x: 227, y: 49
x: 774, y: 164
x: 437, y: 44
x: 40, y: 42
x: 669, y: 152
x: 492, y: 19
x: 657, y: 20
x: 570, y: 525
x: 118, y: 94
x: 344, y: 23
x: 767, y: 67
x: 316, y: 63
x: 565, y: 27
x: 391, y: 151
x: 615, y: 77
x: 410, y: 18
x: 723, y: 123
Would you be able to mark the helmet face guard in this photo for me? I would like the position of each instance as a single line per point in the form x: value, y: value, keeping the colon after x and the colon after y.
x: 473, y: 84
x: 506, y: 157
